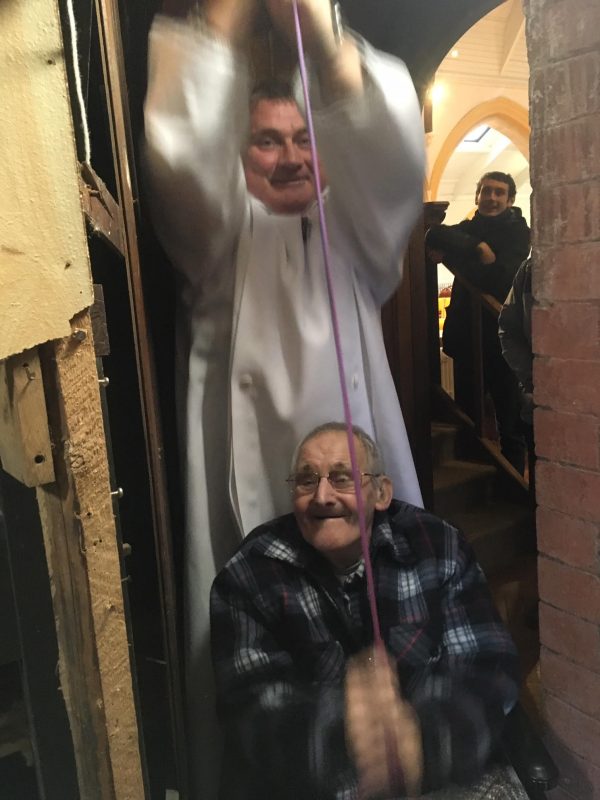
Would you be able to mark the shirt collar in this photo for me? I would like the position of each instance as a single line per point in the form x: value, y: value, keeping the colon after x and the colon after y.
x: 388, y: 534
x: 283, y: 541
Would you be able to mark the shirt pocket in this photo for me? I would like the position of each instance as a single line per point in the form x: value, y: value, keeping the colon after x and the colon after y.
x: 415, y: 644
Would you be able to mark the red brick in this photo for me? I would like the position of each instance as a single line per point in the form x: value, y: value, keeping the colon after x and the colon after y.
x: 578, y: 778
x: 573, y: 637
x: 565, y: 90
x: 557, y: 29
x: 567, y: 385
x: 570, y: 540
x: 567, y: 438
x: 571, y: 212
x: 567, y: 330
x: 569, y: 589
x: 577, y: 731
x: 574, y: 684
x: 568, y: 489
x: 568, y: 272
x: 569, y: 152
x: 549, y: 97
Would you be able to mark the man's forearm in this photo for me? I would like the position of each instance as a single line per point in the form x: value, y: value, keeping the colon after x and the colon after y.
x: 192, y: 159
x: 341, y: 75
x: 292, y: 735
x: 457, y: 741
x: 229, y: 20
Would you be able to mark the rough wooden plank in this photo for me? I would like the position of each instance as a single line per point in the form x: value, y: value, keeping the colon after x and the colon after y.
x: 101, y: 209
x: 99, y: 326
x: 47, y: 722
x: 82, y: 551
x: 25, y: 450
x: 44, y: 266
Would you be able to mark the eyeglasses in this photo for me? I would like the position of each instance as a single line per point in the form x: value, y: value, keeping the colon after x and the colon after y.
x: 342, y: 480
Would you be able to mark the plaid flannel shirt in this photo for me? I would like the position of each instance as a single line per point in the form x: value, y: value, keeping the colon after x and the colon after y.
x: 283, y: 626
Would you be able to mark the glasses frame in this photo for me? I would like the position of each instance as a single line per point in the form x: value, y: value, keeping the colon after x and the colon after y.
x: 294, y: 489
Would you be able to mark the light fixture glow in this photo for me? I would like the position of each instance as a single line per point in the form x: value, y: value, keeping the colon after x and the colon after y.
x: 437, y: 92
x: 454, y: 53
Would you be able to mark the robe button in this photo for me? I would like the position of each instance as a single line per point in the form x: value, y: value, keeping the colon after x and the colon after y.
x: 246, y: 381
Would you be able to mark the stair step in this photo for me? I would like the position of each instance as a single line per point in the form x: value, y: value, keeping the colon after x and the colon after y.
x: 500, y: 533
x: 461, y: 485
x: 443, y: 442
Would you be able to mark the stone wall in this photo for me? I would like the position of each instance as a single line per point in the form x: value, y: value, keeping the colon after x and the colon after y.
x: 564, y: 54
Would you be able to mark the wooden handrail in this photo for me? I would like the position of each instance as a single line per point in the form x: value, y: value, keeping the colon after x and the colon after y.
x: 480, y: 300
x: 487, y: 301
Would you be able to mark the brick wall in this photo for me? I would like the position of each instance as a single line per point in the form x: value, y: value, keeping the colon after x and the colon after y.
x: 563, y: 39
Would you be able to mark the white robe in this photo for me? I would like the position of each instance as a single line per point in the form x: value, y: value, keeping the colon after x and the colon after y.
x: 262, y: 369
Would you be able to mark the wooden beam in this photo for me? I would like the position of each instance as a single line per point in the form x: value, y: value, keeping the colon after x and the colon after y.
x: 25, y: 450
x: 101, y: 209
x: 113, y: 62
x: 513, y: 31
x: 83, y: 560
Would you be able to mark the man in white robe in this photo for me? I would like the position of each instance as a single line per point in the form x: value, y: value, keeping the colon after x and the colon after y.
x: 243, y: 234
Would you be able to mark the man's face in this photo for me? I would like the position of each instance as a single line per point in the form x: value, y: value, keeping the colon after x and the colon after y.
x: 328, y: 519
x: 492, y: 198
x: 277, y: 162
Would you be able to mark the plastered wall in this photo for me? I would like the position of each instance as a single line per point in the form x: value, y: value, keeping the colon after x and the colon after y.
x: 44, y: 269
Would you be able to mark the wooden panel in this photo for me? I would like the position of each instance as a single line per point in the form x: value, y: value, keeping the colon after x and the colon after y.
x: 44, y: 269
x: 25, y: 449
x: 404, y: 323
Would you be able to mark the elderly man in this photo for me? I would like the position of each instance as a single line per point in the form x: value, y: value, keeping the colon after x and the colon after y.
x: 309, y: 709
x: 486, y: 250
x: 257, y: 362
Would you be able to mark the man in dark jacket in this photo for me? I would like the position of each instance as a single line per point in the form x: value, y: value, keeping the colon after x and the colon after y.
x: 312, y: 711
x: 515, y: 339
x: 486, y: 250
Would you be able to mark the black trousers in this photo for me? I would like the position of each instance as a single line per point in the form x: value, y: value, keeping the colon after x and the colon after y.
x: 503, y: 387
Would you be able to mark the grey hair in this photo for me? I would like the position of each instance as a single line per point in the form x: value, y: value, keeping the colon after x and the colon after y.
x: 373, y: 453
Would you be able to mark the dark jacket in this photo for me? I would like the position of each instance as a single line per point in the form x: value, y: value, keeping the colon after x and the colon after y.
x: 515, y: 334
x: 509, y: 237
x: 283, y: 627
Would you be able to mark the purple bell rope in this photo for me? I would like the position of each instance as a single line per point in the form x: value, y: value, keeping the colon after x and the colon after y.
x: 336, y: 334
x: 396, y: 772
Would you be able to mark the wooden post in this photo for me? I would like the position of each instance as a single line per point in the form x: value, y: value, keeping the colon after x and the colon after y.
x: 84, y: 565
x: 434, y: 213
x: 405, y: 335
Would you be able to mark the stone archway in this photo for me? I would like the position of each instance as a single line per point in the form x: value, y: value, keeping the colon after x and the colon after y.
x: 502, y: 114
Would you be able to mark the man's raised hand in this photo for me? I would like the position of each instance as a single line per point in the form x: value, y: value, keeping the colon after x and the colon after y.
x: 231, y: 20
x: 382, y: 729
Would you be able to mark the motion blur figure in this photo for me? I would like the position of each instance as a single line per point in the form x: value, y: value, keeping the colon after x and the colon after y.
x: 232, y: 184
x: 311, y: 708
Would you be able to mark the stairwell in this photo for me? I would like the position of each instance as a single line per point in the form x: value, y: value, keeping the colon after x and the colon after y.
x: 496, y: 516
x: 472, y: 493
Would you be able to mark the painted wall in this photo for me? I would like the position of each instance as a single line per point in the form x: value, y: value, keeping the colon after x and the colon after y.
x: 44, y: 269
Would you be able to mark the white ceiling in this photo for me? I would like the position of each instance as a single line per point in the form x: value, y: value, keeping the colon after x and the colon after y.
x: 492, y: 53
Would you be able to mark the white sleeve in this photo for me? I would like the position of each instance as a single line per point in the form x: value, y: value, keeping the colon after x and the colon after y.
x: 196, y: 118
x: 372, y: 148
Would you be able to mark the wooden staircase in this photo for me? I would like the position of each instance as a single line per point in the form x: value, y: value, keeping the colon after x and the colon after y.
x: 474, y: 493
